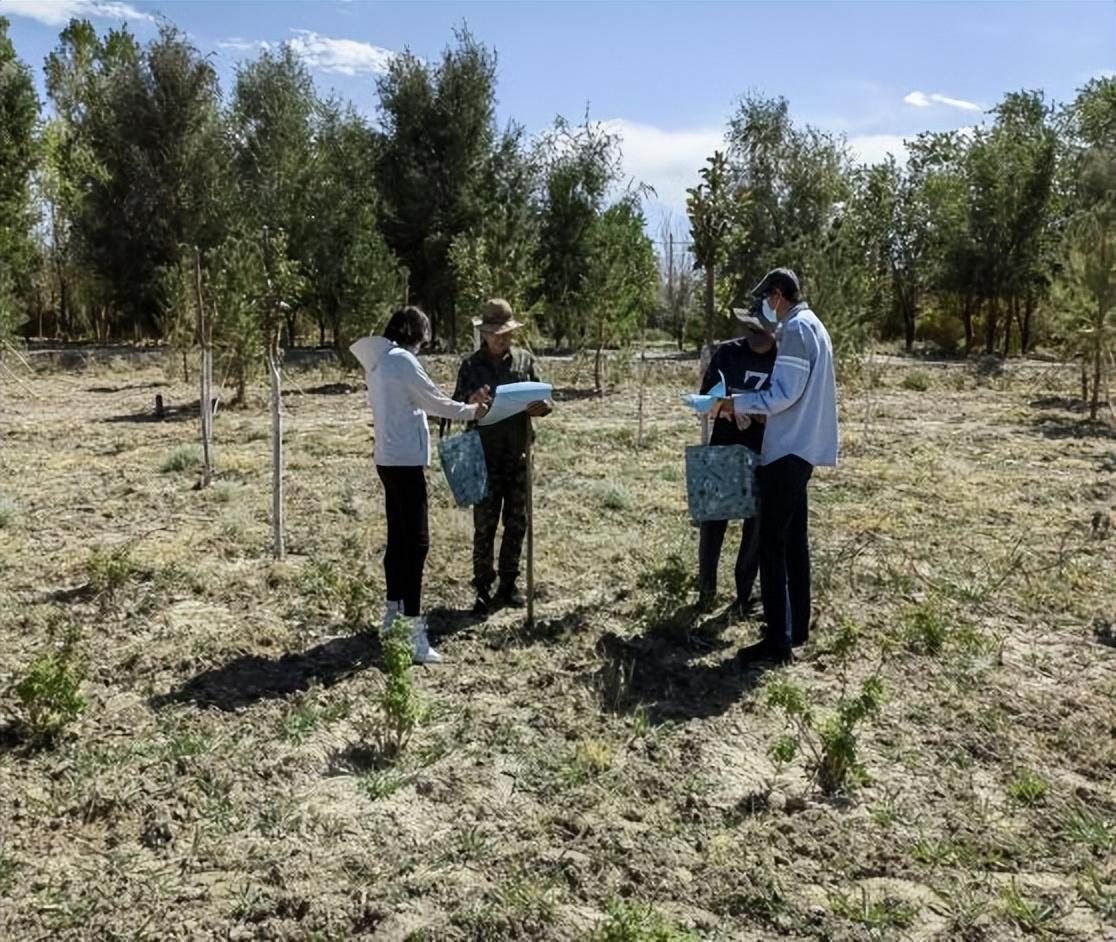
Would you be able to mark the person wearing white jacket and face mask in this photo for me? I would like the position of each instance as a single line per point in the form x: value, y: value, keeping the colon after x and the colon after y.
x: 402, y: 395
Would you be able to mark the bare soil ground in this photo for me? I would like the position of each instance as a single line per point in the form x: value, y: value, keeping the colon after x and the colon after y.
x: 605, y: 774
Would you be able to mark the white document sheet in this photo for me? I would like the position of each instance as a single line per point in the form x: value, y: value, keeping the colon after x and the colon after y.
x: 513, y: 398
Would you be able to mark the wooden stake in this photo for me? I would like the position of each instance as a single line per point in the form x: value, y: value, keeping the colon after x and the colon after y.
x: 277, y: 543
x: 530, y: 532
x: 206, y: 377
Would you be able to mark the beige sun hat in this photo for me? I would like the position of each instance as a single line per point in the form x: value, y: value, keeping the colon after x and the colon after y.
x: 496, y: 317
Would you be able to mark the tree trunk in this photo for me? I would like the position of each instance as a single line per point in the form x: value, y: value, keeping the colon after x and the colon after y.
x: 909, y: 322
x: 1011, y: 314
x: 967, y: 320
x: 1025, y: 326
x: 710, y: 279
x: 1098, y: 353
x: 1084, y: 381
x: 990, y: 326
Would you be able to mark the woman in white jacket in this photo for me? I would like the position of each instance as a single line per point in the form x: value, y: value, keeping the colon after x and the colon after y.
x: 401, y: 395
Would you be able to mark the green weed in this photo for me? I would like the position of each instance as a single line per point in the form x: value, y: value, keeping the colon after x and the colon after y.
x: 1033, y: 917
x: 886, y: 913
x: 917, y: 380
x: 108, y: 570
x: 627, y: 922
x: 1027, y: 788
x: 1087, y: 828
x: 50, y: 690
x: 400, y: 709
x: 183, y: 458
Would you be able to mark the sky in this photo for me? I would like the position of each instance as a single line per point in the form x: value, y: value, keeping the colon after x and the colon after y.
x: 665, y: 75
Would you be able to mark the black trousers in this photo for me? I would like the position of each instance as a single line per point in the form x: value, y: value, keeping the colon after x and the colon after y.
x: 711, y: 537
x: 408, y: 534
x: 785, y: 550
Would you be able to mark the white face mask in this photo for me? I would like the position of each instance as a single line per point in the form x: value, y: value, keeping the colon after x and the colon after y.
x: 769, y: 312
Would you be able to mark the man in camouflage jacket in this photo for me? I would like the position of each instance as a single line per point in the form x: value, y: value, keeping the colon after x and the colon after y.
x: 494, y: 364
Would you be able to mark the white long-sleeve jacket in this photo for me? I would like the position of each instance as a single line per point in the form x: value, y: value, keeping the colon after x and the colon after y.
x: 401, y: 395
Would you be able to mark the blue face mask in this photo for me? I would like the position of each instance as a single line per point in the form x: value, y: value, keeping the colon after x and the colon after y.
x: 769, y: 314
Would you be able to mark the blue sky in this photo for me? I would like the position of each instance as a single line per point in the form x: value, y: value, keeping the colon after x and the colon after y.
x: 666, y: 74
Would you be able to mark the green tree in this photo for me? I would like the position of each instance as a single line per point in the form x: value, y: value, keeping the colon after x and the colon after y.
x: 622, y: 279
x: 157, y: 180
x: 19, y: 115
x: 1010, y: 174
x: 352, y: 277
x: 796, y: 178
x: 77, y: 72
x: 498, y: 256
x: 271, y: 116
x: 1088, y: 288
x: 438, y: 132
x: 717, y: 208
x: 579, y: 165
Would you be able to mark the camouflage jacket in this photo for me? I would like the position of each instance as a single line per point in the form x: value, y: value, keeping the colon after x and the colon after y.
x: 507, y: 439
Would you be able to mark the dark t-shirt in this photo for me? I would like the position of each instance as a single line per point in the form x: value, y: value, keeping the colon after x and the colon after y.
x: 744, y: 371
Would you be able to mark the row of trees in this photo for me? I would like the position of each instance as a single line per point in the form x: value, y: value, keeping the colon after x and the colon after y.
x: 311, y: 222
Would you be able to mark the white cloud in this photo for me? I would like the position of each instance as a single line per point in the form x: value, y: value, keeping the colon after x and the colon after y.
x: 667, y: 160
x: 236, y: 44
x: 345, y: 56
x: 874, y: 148
x: 956, y: 102
x: 922, y: 100
x: 60, y: 12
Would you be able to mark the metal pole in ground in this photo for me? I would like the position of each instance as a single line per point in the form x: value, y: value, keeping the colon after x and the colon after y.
x: 530, y: 532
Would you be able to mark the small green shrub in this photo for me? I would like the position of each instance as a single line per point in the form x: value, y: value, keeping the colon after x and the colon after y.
x: 830, y: 742
x: 670, y: 586
x: 1028, y: 789
x: 50, y: 690
x: 399, y: 704
x: 108, y: 570
x: 183, y: 458
x: 925, y: 628
x: 887, y: 913
x: 613, y: 496
x: 337, y: 588
x: 918, y: 380
x: 634, y: 923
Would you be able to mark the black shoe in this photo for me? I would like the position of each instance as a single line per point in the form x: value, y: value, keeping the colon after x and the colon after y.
x: 799, y: 638
x: 763, y: 654
x: 509, y: 597
x: 739, y: 610
x: 707, y: 601
x: 483, y: 604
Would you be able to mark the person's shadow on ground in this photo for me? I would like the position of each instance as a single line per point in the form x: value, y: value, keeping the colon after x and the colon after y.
x: 252, y: 677
x: 657, y: 673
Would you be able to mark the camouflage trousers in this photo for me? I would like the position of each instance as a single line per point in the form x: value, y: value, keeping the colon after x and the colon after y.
x: 507, y: 498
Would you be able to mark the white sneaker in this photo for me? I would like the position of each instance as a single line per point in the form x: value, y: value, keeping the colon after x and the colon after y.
x: 424, y: 654
x: 392, y: 610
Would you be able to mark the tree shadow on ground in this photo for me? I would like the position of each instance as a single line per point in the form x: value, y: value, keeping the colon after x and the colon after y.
x: 326, y: 389
x: 1063, y: 426
x: 657, y: 673
x: 126, y: 387
x: 188, y: 411
x: 251, y: 677
x: 577, y: 393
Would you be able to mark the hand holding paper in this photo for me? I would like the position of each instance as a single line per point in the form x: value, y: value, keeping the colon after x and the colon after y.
x: 703, y: 403
x: 513, y: 398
